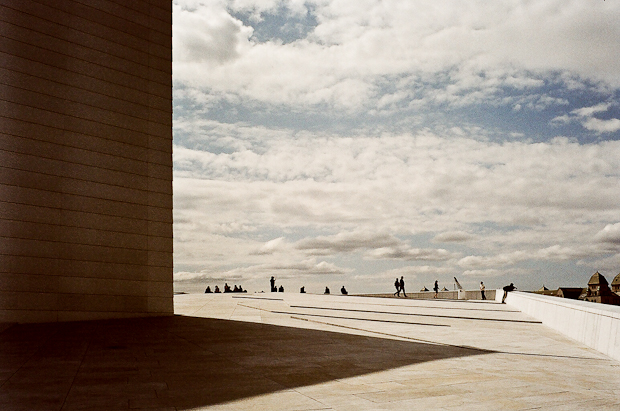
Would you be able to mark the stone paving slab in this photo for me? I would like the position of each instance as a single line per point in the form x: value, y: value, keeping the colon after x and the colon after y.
x: 305, y: 352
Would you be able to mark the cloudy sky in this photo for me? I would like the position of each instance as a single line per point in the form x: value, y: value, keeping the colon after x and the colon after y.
x: 348, y: 142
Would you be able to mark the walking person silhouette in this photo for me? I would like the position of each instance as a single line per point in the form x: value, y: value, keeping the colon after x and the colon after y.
x: 397, y: 285
x: 402, y: 286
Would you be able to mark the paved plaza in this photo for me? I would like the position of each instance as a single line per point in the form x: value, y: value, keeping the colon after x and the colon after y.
x: 284, y: 351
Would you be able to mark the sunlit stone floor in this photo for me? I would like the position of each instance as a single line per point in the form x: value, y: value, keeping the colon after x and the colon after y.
x: 286, y: 351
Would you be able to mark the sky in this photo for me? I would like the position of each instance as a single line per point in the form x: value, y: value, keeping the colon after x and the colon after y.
x: 350, y: 142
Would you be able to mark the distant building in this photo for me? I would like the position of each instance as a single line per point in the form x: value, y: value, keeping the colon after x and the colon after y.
x: 615, y: 285
x: 599, y: 292
x: 545, y: 291
x: 571, y: 292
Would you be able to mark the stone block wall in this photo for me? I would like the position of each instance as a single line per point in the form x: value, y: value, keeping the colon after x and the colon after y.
x: 85, y: 159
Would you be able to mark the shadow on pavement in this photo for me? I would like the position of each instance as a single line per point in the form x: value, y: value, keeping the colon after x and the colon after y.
x: 183, y: 362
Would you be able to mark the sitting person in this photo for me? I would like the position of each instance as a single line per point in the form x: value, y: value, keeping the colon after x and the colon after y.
x: 208, y: 290
x: 302, y: 290
x: 281, y: 289
x: 343, y: 291
x: 226, y: 288
x: 326, y: 290
x: 241, y: 290
x: 236, y: 289
x: 217, y: 289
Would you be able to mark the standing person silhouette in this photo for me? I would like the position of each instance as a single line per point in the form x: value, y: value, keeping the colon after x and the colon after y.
x: 273, y: 284
x: 436, y: 288
x: 482, y: 288
x: 397, y: 285
x: 402, y: 286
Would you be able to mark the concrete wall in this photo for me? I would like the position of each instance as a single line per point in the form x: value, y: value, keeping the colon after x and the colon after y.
x: 85, y: 159
x: 476, y: 294
x: 595, y: 325
x: 428, y: 295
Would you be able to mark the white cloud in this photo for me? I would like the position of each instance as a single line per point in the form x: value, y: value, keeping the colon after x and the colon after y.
x: 272, y: 246
x: 287, y: 270
x: 589, y: 111
x: 480, y: 47
x: 492, y: 272
x: 386, y: 150
x: 207, y: 35
x: 410, y: 272
x: 453, y: 237
x: 412, y: 254
x: 206, y: 277
x: 558, y: 253
x: 472, y: 262
x: 585, y: 116
x: 346, y: 242
x: 609, y: 234
x: 372, y: 194
x: 608, y: 266
x: 602, y: 126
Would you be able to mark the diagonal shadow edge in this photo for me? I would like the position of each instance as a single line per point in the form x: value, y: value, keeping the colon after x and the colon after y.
x: 189, y: 362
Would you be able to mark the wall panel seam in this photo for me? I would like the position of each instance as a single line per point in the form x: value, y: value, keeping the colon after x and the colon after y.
x: 91, y: 261
x: 72, y: 57
x: 167, y: 97
x: 146, y: 136
x: 139, y: 191
x: 87, y: 5
x: 142, y: 163
x: 158, y: 113
x: 149, y: 27
x: 146, y: 176
x: 74, y: 30
x: 109, y: 140
x: 68, y: 225
x: 134, y: 22
x: 122, y: 90
x: 84, y: 243
x: 76, y: 106
x: 102, y: 279
x: 148, y: 220
x: 92, y: 197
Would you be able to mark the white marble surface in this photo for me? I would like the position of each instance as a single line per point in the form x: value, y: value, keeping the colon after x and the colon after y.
x: 527, y: 366
x: 306, y: 352
x: 595, y: 325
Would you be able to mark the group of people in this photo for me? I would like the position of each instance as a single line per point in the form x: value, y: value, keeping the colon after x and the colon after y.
x: 275, y: 289
x: 302, y: 290
x: 227, y: 289
x: 343, y: 291
x: 400, y: 286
